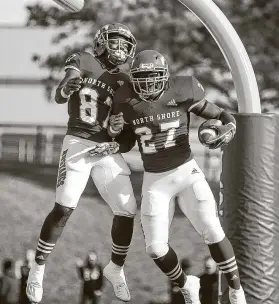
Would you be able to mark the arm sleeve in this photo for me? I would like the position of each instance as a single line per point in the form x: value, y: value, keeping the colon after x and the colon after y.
x: 73, y: 62
x: 72, y: 68
x: 208, y: 110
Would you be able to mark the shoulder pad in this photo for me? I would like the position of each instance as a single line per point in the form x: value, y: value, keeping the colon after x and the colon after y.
x: 187, y: 88
x: 73, y: 61
x: 80, y: 61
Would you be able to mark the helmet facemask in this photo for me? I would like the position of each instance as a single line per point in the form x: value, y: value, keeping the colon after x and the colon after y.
x: 150, y: 83
x: 116, y: 46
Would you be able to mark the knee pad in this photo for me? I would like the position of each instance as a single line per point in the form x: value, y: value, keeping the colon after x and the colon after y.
x: 124, y: 203
x: 213, y: 231
x: 61, y: 214
x: 156, y: 251
x: 126, y: 207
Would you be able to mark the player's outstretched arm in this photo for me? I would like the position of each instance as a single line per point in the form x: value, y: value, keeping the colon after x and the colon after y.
x: 68, y: 85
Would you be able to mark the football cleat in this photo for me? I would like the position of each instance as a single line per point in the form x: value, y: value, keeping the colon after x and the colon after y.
x: 115, y: 275
x: 34, y: 288
x: 191, y: 289
x: 237, y: 296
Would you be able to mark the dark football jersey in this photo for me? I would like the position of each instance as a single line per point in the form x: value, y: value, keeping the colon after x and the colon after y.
x: 90, y: 107
x: 162, y: 127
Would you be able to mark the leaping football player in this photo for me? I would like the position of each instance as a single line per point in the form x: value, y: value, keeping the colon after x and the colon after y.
x: 157, y: 109
x: 88, y: 150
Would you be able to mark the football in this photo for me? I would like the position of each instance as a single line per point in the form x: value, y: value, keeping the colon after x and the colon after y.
x: 72, y: 6
x: 208, y: 131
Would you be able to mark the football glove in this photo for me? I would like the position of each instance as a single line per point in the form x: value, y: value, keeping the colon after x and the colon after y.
x: 116, y: 122
x: 72, y: 85
x: 103, y: 149
x: 225, y: 134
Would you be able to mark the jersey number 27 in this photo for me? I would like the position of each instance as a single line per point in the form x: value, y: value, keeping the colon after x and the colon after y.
x: 145, y: 133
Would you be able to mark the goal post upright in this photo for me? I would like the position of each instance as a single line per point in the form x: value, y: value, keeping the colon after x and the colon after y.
x: 233, y: 50
x: 249, y: 182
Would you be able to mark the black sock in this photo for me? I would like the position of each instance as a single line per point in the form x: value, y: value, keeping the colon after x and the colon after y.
x: 170, y: 266
x: 121, y: 234
x: 51, y: 231
x: 223, y: 254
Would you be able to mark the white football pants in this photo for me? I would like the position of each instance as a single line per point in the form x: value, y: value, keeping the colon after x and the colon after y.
x: 109, y: 173
x: 195, y: 198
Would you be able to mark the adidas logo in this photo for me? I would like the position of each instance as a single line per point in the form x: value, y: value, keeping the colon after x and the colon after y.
x: 40, y: 257
x: 195, y: 171
x: 235, y: 277
x: 172, y: 103
x: 120, y: 82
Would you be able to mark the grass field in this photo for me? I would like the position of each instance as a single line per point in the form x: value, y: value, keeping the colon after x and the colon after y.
x: 27, y: 197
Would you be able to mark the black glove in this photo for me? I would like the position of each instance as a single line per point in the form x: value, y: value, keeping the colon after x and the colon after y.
x: 224, y: 133
x: 116, y: 122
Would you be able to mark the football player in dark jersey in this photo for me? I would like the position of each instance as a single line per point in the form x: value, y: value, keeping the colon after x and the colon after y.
x: 89, y: 150
x: 157, y: 107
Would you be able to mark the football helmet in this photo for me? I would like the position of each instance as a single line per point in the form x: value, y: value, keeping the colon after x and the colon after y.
x: 115, y: 42
x: 149, y: 74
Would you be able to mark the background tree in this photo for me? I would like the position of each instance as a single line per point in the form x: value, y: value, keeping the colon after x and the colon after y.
x: 174, y: 31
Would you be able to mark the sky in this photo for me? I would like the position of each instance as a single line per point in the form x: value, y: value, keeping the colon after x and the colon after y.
x: 14, y: 12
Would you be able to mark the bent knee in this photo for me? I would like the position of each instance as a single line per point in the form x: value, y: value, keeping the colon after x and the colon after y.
x: 213, y: 232
x: 61, y: 213
x: 126, y: 205
x: 156, y: 251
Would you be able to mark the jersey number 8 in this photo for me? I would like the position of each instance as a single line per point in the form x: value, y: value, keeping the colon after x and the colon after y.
x: 145, y: 133
x: 89, y: 106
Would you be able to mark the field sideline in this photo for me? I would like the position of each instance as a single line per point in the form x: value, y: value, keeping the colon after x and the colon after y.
x: 24, y: 205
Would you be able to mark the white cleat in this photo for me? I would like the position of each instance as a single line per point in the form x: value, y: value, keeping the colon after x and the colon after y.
x: 237, y: 296
x: 115, y: 275
x: 34, y: 289
x: 191, y: 290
